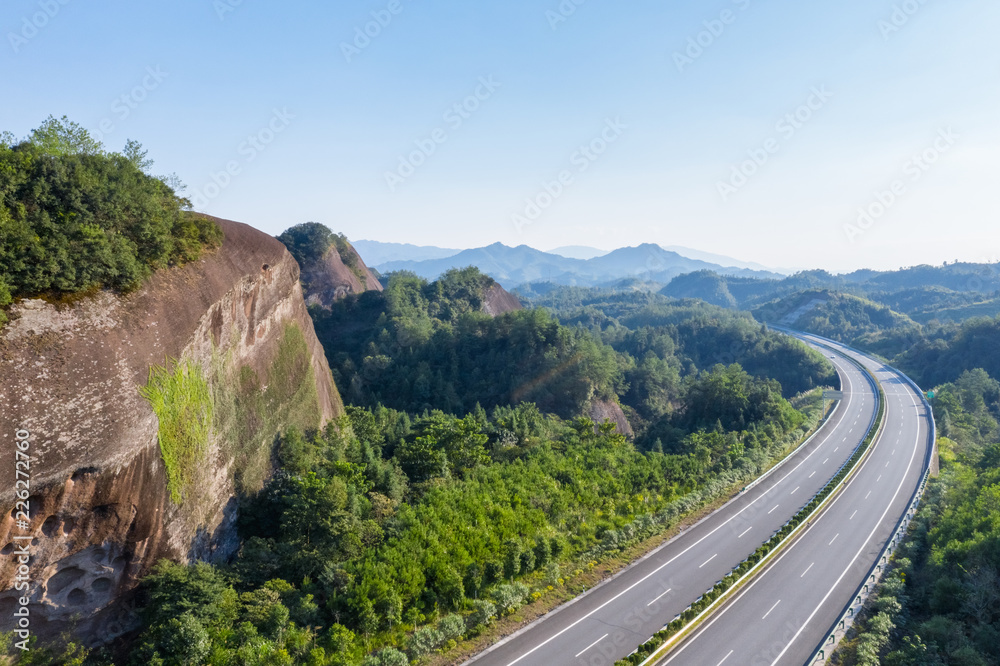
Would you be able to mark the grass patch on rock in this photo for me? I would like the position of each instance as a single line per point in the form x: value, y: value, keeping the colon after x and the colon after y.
x: 181, y: 398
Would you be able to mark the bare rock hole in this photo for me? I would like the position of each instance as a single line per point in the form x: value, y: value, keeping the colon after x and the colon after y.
x: 35, y: 503
x: 63, y: 579
x: 76, y: 597
x: 50, y: 526
x: 101, y: 585
x: 82, y: 472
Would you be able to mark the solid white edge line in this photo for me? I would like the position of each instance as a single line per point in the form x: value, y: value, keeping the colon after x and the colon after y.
x: 680, y: 648
x: 642, y: 580
x: 916, y: 445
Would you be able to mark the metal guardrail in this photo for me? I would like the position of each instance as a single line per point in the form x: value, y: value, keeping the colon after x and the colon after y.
x: 874, y: 432
x: 801, y: 446
x: 846, y: 620
x: 870, y: 585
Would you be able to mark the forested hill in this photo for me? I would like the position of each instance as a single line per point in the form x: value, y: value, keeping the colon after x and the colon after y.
x: 463, y: 484
x: 954, y: 292
x: 331, y: 267
x: 427, y: 345
x: 76, y: 218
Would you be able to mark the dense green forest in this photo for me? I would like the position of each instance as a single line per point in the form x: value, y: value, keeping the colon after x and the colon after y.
x: 387, y: 536
x: 951, y: 292
x: 76, y: 218
x: 465, y: 482
x: 420, y: 345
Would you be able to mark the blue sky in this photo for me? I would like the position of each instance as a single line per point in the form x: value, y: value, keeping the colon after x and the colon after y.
x: 761, y: 130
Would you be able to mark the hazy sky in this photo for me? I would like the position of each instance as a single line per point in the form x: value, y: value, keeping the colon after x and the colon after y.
x: 743, y: 127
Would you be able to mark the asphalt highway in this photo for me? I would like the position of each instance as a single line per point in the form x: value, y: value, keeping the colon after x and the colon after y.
x: 790, y: 608
x: 611, y: 620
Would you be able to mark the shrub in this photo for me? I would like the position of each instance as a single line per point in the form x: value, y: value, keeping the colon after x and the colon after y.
x: 451, y: 627
x: 483, y: 612
x: 75, y: 218
x: 423, y: 641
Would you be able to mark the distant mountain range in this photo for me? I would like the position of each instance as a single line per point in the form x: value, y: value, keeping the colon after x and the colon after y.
x: 515, y: 266
x: 951, y: 292
x: 376, y: 253
x: 578, y: 252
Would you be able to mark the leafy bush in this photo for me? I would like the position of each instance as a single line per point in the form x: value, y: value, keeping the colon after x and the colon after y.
x: 484, y: 612
x: 76, y: 218
x: 451, y: 627
x: 510, y: 596
x: 424, y: 641
x: 387, y: 657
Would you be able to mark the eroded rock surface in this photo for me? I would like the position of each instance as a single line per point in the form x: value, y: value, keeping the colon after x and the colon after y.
x: 100, y: 511
x: 331, y: 279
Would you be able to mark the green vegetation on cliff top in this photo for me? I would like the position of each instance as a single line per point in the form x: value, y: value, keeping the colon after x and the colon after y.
x: 75, y: 218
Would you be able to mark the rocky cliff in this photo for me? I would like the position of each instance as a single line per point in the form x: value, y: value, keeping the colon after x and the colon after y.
x: 335, y: 275
x: 497, y: 300
x: 235, y: 361
x: 601, y: 411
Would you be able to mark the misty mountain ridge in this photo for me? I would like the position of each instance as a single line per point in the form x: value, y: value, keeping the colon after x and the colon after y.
x: 514, y: 266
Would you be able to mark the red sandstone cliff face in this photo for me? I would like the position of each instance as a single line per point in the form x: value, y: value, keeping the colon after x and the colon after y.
x: 607, y: 410
x: 330, y: 279
x: 498, y: 300
x: 100, y: 511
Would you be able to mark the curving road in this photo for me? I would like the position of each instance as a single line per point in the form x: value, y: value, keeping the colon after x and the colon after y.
x: 787, y: 611
x: 611, y: 620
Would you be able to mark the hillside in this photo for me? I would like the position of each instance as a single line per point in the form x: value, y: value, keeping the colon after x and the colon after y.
x: 150, y: 358
x: 953, y: 292
x: 835, y: 315
x: 331, y: 267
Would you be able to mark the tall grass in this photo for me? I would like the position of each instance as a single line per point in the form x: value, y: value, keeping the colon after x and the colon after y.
x: 182, y: 401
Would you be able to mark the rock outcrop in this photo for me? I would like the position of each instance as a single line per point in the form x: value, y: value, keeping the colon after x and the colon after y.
x: 601, y: 411
x: 101, y: 512
x: 335, y: 275
x: 497, y: 300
